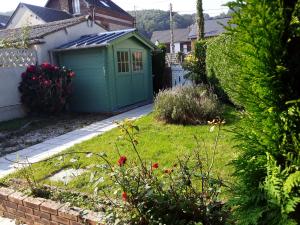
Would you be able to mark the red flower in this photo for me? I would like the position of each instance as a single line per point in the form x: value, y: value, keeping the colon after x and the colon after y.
x: 47, y: 83
x: 46, y: 66
x: 31, y: 69
x: 122, y: 160
x: 155, y: 166
x: 33, y: 78
x: 71, y: 74
x: 124, y: 196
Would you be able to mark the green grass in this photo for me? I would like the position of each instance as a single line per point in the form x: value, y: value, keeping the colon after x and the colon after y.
x: 158, y: 142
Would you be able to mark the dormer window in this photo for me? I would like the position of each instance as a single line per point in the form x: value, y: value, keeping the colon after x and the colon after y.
x: 76, y: 7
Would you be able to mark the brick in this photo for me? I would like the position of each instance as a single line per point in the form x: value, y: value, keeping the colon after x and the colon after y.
x: 8, y: 215
x: 2, y: 206
x: 50, y: 207
x: 20, y: 214
x: 25, y: 209
x: 33, y: 203
x: 70, y: 213
x: 60, y: 220
x: 10, y: 205
x: 75, y: 223
x: 41, y: 214
x: 1, y: 213
x: 11, y: 210
x: 17, y: 197
x: 5, y: 192
x: 93, y: 218
x: 53, y: 223
x: 45, y: 221
x: 32, y: 217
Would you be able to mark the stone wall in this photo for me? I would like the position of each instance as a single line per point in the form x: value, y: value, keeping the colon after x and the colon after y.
x: 39, y: 211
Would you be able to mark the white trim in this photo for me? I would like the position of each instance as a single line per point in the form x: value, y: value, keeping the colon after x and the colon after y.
x: 113, y: 18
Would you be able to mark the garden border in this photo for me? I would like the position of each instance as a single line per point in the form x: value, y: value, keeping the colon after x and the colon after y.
x: 39, y: 211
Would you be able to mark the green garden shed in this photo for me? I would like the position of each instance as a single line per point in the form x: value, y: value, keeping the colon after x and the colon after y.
x: 113, y: 71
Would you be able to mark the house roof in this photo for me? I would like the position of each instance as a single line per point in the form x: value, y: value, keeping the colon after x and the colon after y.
x: 46, y: 14
x: 39, y: 31
x: 3, y: 20
x: 104, y: 39
x: 164, y: 36
x: 110, y: 5
x: 212, y: 27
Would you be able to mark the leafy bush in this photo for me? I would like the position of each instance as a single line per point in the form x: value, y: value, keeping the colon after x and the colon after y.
x: 195, y: 63
x: 46, y: 88
x: 185, y: 193
x: 187, y: 105
x: 264, y: 79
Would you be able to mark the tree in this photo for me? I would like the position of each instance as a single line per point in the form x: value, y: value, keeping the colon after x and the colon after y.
x: 200, y: 20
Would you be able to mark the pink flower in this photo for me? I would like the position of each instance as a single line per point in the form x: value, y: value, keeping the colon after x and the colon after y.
x: 71, y: 74
x: 33, y: 78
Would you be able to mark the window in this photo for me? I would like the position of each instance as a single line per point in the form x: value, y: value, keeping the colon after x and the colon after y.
x: 137, y: 61
x: 76, y: 6
x: 123, y: 62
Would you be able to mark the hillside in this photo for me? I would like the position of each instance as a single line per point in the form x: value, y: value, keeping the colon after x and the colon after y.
x: 152, y: 20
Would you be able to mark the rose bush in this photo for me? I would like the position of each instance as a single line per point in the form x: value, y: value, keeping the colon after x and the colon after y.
x: 46, y: 88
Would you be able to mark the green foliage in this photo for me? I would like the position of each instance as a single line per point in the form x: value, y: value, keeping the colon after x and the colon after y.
x: 158, y: 67
x: 46, y: 88
x: 153, y: 20
x: 196, y: 64
x: 261, y: 73
x: 222, y: 68
x: 153, y: 195
x: 187, y: 105
x: 17, y: 42
x: 200, y: 20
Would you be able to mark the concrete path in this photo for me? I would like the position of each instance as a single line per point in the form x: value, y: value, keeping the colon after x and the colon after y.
x: 53, y: 146
x: 4, y: 221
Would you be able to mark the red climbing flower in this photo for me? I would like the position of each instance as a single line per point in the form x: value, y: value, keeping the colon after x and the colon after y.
x: 72, y: 74
x: 31, y: 69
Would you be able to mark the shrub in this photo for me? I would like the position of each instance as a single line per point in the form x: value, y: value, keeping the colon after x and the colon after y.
x: 195, y: 63
x: 46, y: 88
x: 187, y: 105
x: 185, y: 193
x: 266, y: 55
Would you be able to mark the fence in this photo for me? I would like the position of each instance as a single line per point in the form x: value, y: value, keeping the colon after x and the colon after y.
x: 12, y: 63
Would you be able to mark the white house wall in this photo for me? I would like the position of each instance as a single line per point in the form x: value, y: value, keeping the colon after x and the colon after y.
x: 58, y: 38
x: 177, y: 47
x: 24, y: 17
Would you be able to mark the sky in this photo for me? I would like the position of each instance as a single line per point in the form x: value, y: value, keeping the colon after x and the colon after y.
x: 212, y: 7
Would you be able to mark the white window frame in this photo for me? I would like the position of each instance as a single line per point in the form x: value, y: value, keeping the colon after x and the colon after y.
x: 76, y: 7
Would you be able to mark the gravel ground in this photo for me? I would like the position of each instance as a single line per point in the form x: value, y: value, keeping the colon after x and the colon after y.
x: 37, y: 130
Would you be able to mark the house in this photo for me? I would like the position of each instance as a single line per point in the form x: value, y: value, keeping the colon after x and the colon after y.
x: 106, y: 12
x: 29, y: 15
x: 3, y: 21
x: 45, y: 37
x: 184, y: 38
x: 182, y: 42
x: 113, y: 70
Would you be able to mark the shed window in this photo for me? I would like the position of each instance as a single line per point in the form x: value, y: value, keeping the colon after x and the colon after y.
x: 76, y: 6
x: 137, y: 61
x: 123, y: 62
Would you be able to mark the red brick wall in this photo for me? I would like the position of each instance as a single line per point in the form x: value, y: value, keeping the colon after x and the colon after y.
x: 38, y: 211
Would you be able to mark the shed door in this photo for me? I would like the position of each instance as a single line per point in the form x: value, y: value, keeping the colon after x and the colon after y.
x: 130, y: 76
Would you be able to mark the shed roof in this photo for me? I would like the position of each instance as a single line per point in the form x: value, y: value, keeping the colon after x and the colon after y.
x: 39, y: 31
x: 104, y: 39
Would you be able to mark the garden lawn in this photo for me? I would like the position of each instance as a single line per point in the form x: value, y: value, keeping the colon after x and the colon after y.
x: 158, y: 142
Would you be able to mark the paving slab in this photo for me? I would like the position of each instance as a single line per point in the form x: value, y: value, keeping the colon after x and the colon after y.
x: 58, y: 144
